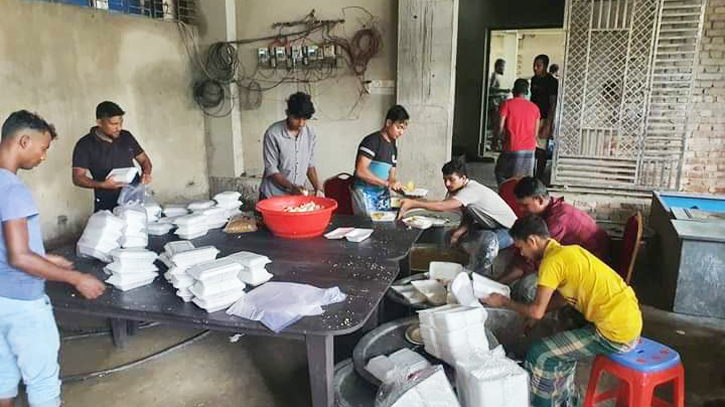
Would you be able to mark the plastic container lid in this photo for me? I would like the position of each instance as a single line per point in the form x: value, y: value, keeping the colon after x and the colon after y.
x: 443, y: 270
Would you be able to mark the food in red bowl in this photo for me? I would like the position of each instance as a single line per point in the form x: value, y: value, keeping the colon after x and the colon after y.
x: 297, y: 216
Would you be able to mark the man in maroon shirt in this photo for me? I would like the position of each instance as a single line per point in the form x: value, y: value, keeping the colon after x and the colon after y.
x: 519, y: 123
x: 567, y: 225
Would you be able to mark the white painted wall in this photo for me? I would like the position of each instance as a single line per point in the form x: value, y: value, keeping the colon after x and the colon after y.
x: 341, y: 121
x: 62, y: 60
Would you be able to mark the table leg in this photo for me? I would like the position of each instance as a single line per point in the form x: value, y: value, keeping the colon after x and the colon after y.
x: 133, y: 327
x: 119, y: 329
x: 320, y: 358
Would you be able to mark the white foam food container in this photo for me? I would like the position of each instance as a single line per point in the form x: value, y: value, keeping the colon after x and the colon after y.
x: 159, y: 229
x: 193, y: 219
x: 217, y: 225
x: 458, y: 318
x: 338, y: 233
x: 219, y: 303
x: 418, y: 222
x: 411, y: 294
x: 473, y: 336
x: 227, y: 196
x: 104, y: 246
x: 173, y: 212
x: 249, y: 259
x: 186, y: 296
x: 255, y: 276
x: 483, y: 287
x: 229, y: 205
x: 382, y: 368
x: 213, y: 212
x: 358, y: 235
x: 434, y: 291
x: 182, y: 281
x: 426, y: 316
x: 177, y: 271
x: 134, y: 256
x: 449, y: 355
x: 93, y: 234
x: 131, y: 213
x: 168, y: 276
x: 209, y: 291
x: 216, y: 268
x: 444, y: 271
x: 485, y: 380
x: 105, y: 219
x: 120, y: 268
x: 179, y: 246
x: 408, y: 361
x: 134, y: 242
x: 115, y: 280
x: 200, y: 205
x: 123, y: 175
x: 132, y: 278
x: 193, y: 229
x: 90, y: 251
x: 195, y: 256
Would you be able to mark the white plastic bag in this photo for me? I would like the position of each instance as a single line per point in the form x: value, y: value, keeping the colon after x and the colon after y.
x: 428, y: 387
x: 277, y: 305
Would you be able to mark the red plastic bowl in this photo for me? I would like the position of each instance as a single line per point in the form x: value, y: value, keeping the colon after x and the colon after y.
x: 296, y: 225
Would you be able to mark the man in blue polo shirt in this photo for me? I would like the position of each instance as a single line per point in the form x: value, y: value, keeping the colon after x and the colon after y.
x: 29, y: 339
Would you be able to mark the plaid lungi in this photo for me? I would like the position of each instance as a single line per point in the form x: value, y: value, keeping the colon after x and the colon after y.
x: 551, y: 362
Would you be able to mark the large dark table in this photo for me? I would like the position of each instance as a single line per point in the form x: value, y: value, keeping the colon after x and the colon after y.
x: 364, y: 271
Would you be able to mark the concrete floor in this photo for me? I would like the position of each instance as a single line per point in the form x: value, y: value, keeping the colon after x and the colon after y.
x: 265, y: 371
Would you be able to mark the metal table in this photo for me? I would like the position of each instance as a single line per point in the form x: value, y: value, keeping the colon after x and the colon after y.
x: 363, y: 271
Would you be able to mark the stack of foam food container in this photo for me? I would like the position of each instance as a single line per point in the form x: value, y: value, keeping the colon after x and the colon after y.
x: 170, y: 249
x: 229, y: 200
x: 254, y: 271
x: 172, y: 211
x: 217, y: 285
x: 182, y: 259
x: 131, y: 268
x: 101, y: 236
x: 452, y: 332
x: 135, y: 233
x: 191, y: 226
x: 397, y: 365
x: 490, y: 379
x: 215, y: 217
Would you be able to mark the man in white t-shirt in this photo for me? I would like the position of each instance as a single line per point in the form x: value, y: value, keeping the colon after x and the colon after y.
x: 486, y: 216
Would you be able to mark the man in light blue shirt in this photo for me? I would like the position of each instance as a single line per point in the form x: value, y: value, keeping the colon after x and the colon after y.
x: 289, y: 152
x: 29, y: 339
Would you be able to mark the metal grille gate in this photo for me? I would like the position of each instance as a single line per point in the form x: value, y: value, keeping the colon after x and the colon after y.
x: 626, y: 92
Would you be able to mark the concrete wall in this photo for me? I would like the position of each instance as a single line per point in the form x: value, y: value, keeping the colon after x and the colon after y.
x: 62, y: 60
x: 704, y: 167
x: 343, y: 118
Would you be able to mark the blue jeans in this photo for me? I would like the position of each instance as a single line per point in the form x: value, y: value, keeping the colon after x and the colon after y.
x: 29, y: 344
x: 483, y: 246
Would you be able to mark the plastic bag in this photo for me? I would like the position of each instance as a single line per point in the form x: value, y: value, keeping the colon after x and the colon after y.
x: 132, y: 195
x: 278, y: 305
x: 428, y: 387
x: 490, y: 379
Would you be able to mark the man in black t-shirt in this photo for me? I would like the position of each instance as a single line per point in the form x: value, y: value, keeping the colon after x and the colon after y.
x: 544, y: 90
x: 104, y: 148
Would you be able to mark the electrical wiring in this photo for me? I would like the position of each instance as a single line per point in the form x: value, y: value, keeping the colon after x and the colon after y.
x: 222, y: 65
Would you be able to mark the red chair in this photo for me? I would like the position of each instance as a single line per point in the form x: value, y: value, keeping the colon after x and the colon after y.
x: 338, y: 188
x: 631, y: 240
x: 506, y: 191
x: 639, y: 371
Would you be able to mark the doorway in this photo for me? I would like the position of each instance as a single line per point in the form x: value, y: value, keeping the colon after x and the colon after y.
x: 517, y: 48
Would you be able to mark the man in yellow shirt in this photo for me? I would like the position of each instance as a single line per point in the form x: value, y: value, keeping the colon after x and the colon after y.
x: 570, y: 275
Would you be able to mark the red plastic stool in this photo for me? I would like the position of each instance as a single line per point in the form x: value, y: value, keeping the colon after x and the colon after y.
x: 647, y: 366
